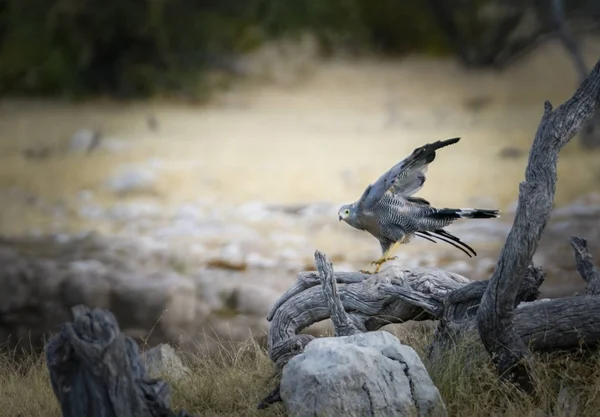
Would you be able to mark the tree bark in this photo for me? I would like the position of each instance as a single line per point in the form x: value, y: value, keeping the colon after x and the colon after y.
x: 585, y: 265
x: 396, y: 295
x: 96, y: 371
x: 536, y: 198
x: 342, y: 324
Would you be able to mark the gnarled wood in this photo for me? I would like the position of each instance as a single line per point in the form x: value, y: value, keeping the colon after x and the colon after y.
x: 342, y: 324
x: 95, y: 371
x: 394, y: 295
x: 585, y: 265
x: 397, y: 295
x: 502, y: 310
x: 536, y: 198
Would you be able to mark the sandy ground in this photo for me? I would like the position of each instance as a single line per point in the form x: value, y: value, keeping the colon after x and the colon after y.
x: 320, y: 137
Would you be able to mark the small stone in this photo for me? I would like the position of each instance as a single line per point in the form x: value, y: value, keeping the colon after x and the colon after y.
x: 162, y: 360
x: 256, y: 260
x: 251, y: 300
x: 84, y: 140
x: 133, y: 179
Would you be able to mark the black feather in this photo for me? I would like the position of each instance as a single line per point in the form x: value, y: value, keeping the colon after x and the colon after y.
x: 428, y: 150
x: 424, y: 237
x: 417, y: 200
x: 442, y: 232
x: 446, y: 237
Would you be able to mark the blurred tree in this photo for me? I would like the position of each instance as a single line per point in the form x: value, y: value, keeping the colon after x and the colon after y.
x: 115, y: 47
x: 494, y: 33
x: 590, y: 133
x: 139, y: 48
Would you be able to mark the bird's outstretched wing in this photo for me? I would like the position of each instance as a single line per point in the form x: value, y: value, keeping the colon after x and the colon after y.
x: 406, y: 177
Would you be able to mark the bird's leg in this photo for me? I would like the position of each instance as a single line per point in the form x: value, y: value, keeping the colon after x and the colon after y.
x: 385, y: 257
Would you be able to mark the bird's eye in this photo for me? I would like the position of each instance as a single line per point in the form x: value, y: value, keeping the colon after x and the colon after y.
x: 346, y: 211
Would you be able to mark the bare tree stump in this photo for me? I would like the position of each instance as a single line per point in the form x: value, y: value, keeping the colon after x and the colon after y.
x: 96, y: 371
x: 536, y: 199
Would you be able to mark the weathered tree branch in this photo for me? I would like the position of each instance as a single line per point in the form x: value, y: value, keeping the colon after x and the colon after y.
x: 585, y: 265
x: 536, y: 198
x: 342, y: 324
x: 394, y: 295
x: 97, y: 371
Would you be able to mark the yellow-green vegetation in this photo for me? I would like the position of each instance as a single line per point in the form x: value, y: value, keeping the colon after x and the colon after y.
x: 232, y: 382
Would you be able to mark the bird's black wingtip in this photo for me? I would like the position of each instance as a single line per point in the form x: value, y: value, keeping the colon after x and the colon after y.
x: 442, y: 143
x: 451, y: 141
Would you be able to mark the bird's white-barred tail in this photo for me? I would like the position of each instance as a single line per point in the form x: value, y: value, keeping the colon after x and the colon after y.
x: 467, y: 213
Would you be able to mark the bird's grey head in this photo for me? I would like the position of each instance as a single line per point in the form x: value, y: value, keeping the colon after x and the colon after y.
x: 348, y: 214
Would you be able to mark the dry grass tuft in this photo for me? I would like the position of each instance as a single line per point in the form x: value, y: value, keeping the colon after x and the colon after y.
x: 232, y: 382
x: 229, y: 383
x: 568, y: 384
x: 25, y: 388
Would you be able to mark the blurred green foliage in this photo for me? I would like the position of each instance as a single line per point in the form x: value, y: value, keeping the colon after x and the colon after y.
x: 133, y: 48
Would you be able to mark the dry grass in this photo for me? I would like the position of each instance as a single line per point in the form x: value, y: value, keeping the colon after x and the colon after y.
x: 232, y: 382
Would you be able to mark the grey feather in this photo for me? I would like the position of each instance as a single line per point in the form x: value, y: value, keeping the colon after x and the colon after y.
x: 406, y: 177
x: 389, y: 212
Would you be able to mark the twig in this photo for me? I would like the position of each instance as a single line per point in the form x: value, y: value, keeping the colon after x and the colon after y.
x: 585, y: 265
x: 341, y: 322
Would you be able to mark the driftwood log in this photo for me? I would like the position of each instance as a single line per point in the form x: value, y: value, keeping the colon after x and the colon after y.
x: 95, y: 371
x: 536, y: 199
x: 503, y: 310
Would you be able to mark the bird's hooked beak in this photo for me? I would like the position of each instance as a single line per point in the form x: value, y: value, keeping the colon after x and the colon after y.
x: 340, y: 216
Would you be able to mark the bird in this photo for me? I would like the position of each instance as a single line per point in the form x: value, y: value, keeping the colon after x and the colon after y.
x: 390, y: 212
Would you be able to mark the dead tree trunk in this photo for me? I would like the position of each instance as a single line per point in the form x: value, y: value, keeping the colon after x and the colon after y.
x: 504, y: 311
x: 95, y: 370
x: 536, y: 198
x: 361, y: 302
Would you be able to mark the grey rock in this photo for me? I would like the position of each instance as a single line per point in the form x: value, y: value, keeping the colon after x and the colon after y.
x: 367, y: 374
x: 91, y: 211
x: 149, y: 301
x: 251, y: 299
x: 85, y: 195
x: 84, y: 140
x: 162, y: 360
x: 256, y: 260
x: 133, y: 211
x: 132, y: 179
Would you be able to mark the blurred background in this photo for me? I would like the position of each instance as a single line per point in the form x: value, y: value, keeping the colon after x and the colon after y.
x: 179, y: 161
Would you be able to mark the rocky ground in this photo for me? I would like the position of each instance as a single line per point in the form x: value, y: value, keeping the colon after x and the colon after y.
x: 188, y: 222
x: 198, y: 277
